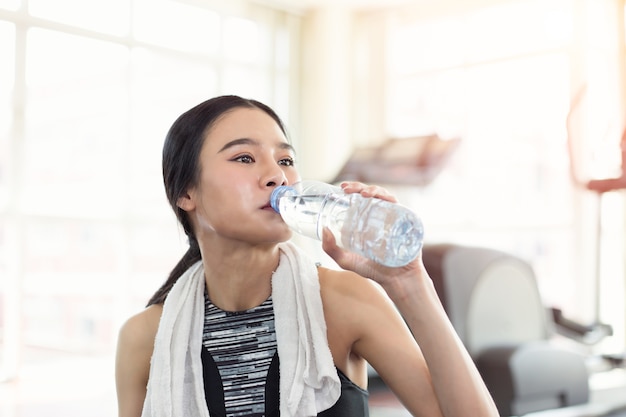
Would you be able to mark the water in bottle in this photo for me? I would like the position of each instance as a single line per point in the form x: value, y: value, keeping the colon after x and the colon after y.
x: 386, y: 232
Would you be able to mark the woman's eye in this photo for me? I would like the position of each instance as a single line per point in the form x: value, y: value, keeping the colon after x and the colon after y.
x: 287, y: 162
x: 246, y: 159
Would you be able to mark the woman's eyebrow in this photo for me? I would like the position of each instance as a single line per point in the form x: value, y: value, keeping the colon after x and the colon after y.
x: 252, y: 142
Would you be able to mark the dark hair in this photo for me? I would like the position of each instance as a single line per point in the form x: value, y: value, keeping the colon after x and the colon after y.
x: 181, y: 168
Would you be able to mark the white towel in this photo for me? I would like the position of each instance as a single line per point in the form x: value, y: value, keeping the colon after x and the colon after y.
x: 309, y: 382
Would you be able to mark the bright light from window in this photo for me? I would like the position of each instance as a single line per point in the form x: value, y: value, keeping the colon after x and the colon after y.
x: 517, y: 28
x: 502, y: 78
x: 106, y: 16
x: 80, y: 168
x: 245, y: 41
x: 10, y: 4
x: 75, y: 117
x: 176, y: 25
x: 247, y: 82
x: 162, y: 88
x: 439, y: 44
x: 61, y: 59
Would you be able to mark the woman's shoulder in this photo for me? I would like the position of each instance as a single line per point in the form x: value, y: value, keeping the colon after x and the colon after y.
x: 349, y: 290
x: 132, y: 360
x: 140, y: 329
x: 356, y: 310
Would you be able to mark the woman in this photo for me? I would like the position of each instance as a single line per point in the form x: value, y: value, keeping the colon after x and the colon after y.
x: 221, y: 161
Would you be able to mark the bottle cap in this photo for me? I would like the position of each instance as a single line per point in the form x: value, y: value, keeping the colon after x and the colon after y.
x: 278, y: 193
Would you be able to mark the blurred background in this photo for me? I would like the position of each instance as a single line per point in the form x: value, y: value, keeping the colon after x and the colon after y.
x: 525, y: 97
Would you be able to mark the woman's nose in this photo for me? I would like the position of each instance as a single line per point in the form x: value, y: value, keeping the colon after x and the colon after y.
x: 275, y: 177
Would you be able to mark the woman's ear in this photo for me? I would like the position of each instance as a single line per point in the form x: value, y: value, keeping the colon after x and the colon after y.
x: 186, y: 202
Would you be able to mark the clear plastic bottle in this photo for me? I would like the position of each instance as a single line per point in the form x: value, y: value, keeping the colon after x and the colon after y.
x: 385, y: 232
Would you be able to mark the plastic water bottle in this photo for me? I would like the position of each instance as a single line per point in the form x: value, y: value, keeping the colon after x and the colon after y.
x: 385, y: 232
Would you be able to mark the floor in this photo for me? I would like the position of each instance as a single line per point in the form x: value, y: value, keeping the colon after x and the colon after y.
x: 607, y: 399
x: 54, y: 384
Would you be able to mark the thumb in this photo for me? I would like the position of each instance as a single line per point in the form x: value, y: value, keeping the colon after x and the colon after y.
x: 329, y: 244
x: 345, y: 259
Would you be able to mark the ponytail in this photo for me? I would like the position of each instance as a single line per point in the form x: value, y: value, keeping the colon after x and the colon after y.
x: 189, y: 258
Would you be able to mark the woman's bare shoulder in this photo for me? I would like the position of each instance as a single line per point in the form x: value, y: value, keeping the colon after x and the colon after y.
x: 132, y: 363
x: 350, y: 301
x: 346, y: 286
x: 140, y: 329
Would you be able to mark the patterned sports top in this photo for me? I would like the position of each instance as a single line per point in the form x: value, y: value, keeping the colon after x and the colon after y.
x: 242, y: 345
x: 241, y: 367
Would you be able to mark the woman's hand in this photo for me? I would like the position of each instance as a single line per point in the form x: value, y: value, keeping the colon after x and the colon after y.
x: 359, y: 264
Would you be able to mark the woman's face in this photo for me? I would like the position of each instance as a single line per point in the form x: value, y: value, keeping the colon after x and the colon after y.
x: 245, y: 156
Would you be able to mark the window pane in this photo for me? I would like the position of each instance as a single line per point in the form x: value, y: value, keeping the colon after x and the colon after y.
x: 10, y: 4
x: 503, y: 30
x: 177, y: 25
x: 427, y: 45
x: 153, y: 249
x: 246, y: 41
x: 76, y: 113
x: 512, y: 138
x: 69, y: 270
x: 163, y: 87
x: 490, y: 33
x: 423, y: 105
x: 510, y: 116
x: 107, y: 16
x: 247, y: 82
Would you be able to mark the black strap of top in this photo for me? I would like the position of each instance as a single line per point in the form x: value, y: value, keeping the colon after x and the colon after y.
x: 353, y: 401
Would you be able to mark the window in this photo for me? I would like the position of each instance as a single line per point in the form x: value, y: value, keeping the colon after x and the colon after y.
x: 86, y: 233
x: 177, y: 25
x: 106, y: 16
x: 75, y: 126
x: 498, y: 78
x: 9, y: 4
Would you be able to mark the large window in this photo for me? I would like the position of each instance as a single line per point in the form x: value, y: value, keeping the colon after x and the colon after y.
x: 88, y: 91
x: 503, y: 78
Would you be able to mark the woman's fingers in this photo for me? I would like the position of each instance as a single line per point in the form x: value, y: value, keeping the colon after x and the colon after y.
x: 368, y: 190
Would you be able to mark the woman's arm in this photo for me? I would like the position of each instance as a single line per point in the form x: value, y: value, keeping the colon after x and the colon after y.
x: 439, y: 357
x: 363, y: 323
x: 458, y: 386
x: 132, y: 363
